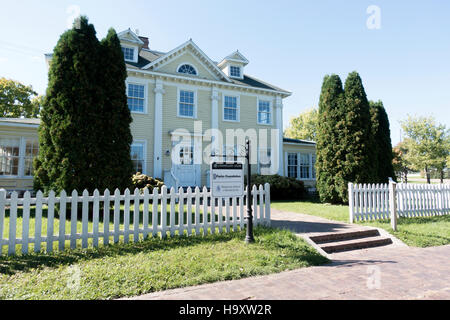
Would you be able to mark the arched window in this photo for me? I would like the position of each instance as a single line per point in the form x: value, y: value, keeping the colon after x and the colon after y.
x: 188, y: 69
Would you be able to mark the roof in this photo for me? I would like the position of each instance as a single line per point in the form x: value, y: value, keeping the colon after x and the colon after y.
x: 298, y: 141
x: 21, y: 121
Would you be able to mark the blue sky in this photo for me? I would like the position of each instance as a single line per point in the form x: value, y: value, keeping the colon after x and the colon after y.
x: 292, y: 44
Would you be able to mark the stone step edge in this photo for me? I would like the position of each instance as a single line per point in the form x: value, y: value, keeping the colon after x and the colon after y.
x: 355, y: 244
x: 341, y: 236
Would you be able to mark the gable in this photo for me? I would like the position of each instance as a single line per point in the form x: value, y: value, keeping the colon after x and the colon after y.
x: 188, y: 57
x: 190, y: 51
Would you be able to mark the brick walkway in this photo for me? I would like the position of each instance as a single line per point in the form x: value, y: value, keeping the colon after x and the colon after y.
x: 390, y: 272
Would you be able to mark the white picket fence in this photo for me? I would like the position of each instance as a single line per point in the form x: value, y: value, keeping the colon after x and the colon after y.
x: 169, y: 213
x: 373, y: 201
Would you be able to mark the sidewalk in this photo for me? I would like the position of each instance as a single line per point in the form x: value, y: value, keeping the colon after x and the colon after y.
x: 389, y: 272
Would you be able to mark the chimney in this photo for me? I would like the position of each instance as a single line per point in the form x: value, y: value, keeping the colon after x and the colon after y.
x: 146, y: 42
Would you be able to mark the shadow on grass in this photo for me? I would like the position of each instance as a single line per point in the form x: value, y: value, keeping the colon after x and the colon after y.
x: 267, y: 237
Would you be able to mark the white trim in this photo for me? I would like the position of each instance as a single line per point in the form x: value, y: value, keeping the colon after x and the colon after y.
x: 19, y: 125
x: 144, y: 144
x: 258, y: 99
x: 189, y: 64
x: 180, y: 48
x: 138, y: 82
x: 238, y: 107
x: 300, y: 144
x: 134, y: 35
x: 210, y: 82
x: 191, y: 89
x: 135, y: 53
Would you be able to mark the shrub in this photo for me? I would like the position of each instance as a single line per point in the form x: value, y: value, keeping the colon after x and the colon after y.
x: 142, y: 181
x: 281, y: 188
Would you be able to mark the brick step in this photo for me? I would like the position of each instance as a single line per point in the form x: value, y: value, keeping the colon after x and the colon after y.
x: 342, y: 236
x: 355, y: 244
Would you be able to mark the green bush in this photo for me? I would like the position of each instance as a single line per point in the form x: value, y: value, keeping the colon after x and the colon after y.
x: 142, y: 181
x: 281, y: 188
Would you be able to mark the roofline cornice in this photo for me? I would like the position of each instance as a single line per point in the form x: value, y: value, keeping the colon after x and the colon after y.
x: 284, y: 94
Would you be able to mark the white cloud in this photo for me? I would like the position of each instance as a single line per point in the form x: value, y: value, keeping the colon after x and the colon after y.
x: 3, y: 59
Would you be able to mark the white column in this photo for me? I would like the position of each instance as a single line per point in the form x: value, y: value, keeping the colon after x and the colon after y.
x: 214, y: 117
x: 279, y: 111
x: 157, y: 141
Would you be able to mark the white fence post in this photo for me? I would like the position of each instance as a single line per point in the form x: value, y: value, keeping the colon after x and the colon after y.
x: 267, y: 199
x: 2, y: 216
x: 393, y: 203
x: 350, y: 202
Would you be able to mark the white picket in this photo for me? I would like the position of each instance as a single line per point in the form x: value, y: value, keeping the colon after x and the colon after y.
x: 25, y: 222
x: 62, y: 220
x: 12, y: 224
x: 197, y: 210
x: 145, y: 213
x: 230, y: 216
x: 73, y: 219
x: 116, y: 215
x: 164, y: 212
x: 50, y: 220
x: 172, y: 211
x: 106, y: 212
x: 205, y: 210
x: 38, y: 222
x: 96, y: 218
x: 136, y: 215
x: 2, y: 216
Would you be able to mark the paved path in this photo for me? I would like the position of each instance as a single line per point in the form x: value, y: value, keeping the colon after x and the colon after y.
x: 390, y: 272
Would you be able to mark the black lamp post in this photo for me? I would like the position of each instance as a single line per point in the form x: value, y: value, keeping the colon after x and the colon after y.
x: 249, y: 237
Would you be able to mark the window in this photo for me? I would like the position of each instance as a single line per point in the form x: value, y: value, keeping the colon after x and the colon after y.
x: 137, y: 156
x: 9, y: 156
x: 136, y: 97
x: 305, y: 165
x: 186, y: 155
x: 187, y: 104
x: 264, y: 112
x: 265, y: 161
x: 128, y: 53
x: 292, y: 165
x: 31, y: 152
x: 230, y: 109
x: 188, y: 69
x: 314, y: 166
x: 235, y: 71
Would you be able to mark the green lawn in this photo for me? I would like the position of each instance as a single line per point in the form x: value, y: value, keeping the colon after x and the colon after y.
x: 416, y: 232
x: 152, y: 265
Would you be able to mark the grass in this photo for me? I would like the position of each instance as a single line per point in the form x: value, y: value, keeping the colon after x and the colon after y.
x: 133, y: 269
x: 416, y: 232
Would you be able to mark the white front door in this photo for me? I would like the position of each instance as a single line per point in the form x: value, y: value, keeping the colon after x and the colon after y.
x: 185, y: 171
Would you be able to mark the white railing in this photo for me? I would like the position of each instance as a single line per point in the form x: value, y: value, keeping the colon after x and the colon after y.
x: 113, y: 218
x: 374, y: 201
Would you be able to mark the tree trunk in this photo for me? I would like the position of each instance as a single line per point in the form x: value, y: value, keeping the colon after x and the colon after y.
x: 428, y: 175
x: 442, y: 176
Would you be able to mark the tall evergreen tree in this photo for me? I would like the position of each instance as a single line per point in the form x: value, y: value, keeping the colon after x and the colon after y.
x: 357, y: 142
x: 383, y: 146
x: 115, y: 146
x: 74, y: 131
x: 329, y: 132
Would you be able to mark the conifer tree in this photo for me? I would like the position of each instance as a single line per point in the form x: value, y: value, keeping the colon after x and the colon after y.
x: 329, y: 156
x: 77, y: 118
x: 383, y: 146
x: 115, y: 146
x: 357, y: 142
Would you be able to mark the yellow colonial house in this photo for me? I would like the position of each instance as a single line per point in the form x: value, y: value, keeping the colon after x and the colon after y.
x: 184, y: 106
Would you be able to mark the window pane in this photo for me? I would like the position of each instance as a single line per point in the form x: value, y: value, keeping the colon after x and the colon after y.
x: 137, y: 157
x: 136, y: 97
x: 186, y: 104
x: 9, y: 156
x: 128, y: 53
x: 235, y: 71
x: 292, y: 165
x: 230, y: 108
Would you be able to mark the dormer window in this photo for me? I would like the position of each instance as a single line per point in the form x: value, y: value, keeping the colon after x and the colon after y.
x: 187, y: 69
x: 128, y: 53
x: 235, y: 72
